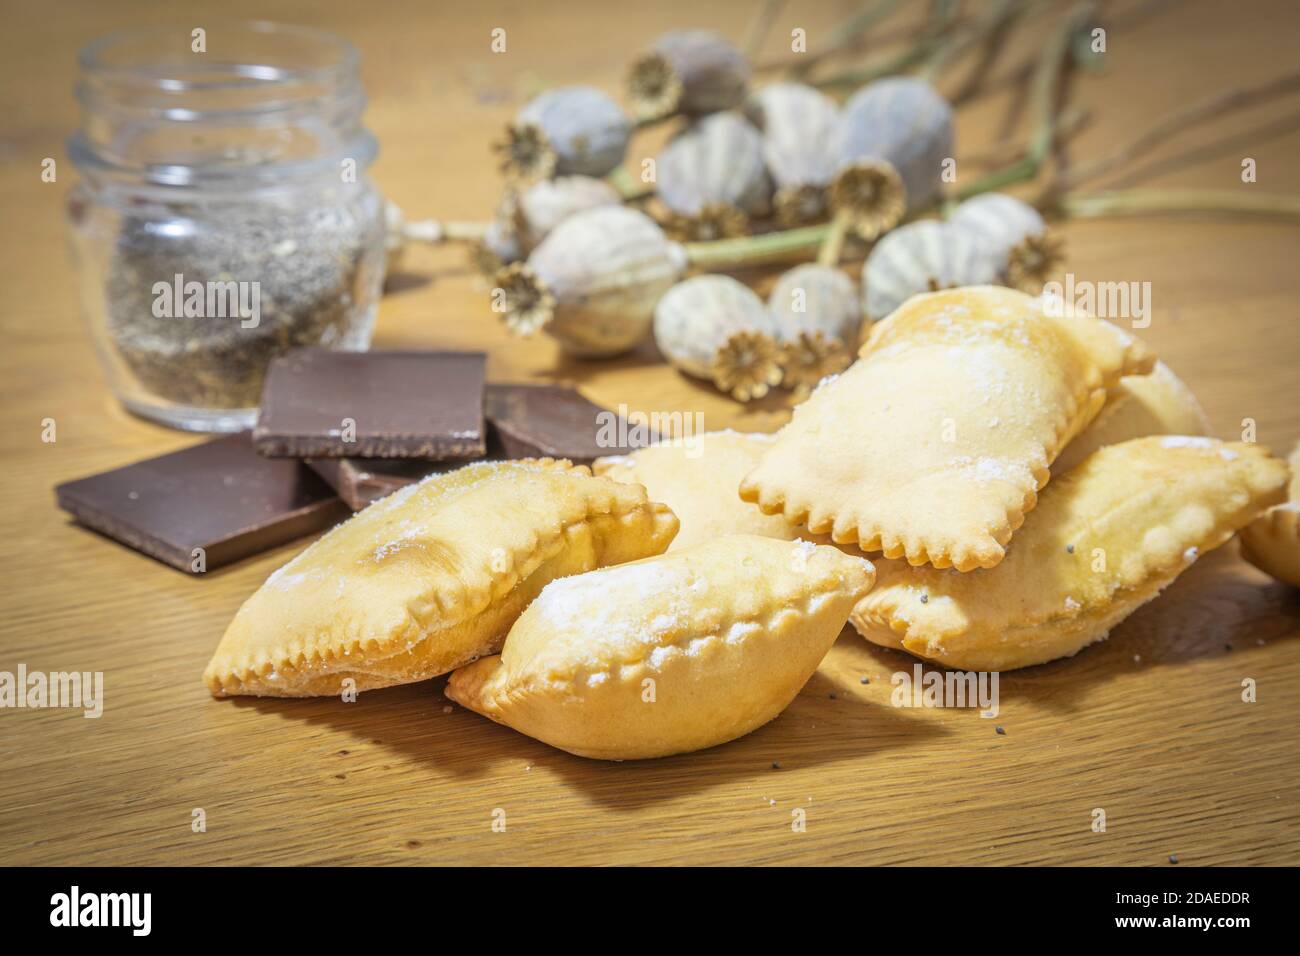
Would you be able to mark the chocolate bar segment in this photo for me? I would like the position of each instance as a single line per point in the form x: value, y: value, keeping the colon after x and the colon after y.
x: 363, y: 481
x: 319, y: 403
x: 524, y: 421
x: 553, y: 421
x: 220, y: 496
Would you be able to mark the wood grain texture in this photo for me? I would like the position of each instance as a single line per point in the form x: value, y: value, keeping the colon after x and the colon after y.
x: 1149, y: 725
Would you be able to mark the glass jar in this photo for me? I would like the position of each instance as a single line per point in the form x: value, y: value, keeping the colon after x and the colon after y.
x: 224, y: 213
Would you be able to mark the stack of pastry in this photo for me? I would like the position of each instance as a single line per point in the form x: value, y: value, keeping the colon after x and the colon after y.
x: 652, y: 655
x: 936, y: 449
x: 680, y: 596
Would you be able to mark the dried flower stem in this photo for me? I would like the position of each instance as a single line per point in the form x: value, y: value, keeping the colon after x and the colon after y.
x: 1046, y: 86
x: 437, y: 231
x: 996, y: 20
x: 840, y: 39
x: 916, y: 53
x: 1135, y: 202
x: 759, y: 25
x: 832, y: 246
x: 628, y: 186
x: 784, y: 246
x: 1226, y: 145
x: 1068, y: 124
x: 1021, y: 72
x: 1178, y: 121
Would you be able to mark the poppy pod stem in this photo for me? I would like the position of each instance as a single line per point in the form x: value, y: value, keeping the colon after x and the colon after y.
x: 436, y: 231
x: 1043, y: 95
x: 399, y: 232
x: 869, y: 196
x: 785, y: 246
x: 1133, y: 202
x: 832, y: 246
x: 628, y: 186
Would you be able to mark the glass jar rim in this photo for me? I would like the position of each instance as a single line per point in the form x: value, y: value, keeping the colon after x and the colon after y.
x: 94, y: 57
x: 148, y: 93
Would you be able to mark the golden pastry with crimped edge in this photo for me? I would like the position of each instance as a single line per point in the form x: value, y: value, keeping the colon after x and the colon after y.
x: 430, y: 577
x: 670, y: 654
x: 1272, y: 542
x: 1105, y: 538
x: 698, y: 478
x: 1139, y: 405
x: 934, y: 445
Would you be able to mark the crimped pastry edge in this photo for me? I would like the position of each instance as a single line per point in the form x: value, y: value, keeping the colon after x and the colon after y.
x: 225, y: 678
x: 871, y: 537
x: 498, y: 701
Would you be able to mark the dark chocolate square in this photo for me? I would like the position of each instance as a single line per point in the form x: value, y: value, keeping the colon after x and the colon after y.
x: 554, y: 421
x: 524, y: 421
x: 220, y: 496
x: 363, y: 481
x: 400, y: 404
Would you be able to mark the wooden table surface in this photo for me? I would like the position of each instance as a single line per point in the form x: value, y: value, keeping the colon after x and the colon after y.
x: 1149, y: 726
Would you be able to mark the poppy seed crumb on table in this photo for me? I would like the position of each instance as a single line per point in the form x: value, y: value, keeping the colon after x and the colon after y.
x: 1002, y: 731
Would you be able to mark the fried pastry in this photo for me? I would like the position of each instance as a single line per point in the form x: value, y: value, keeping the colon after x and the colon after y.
x: 935, y: 443
x: 698, y: 479
x: 430, y: 577
x: 1139, y: 405
x: 1105, y: 538
x: 1272, y: 542
x: 670, y: 654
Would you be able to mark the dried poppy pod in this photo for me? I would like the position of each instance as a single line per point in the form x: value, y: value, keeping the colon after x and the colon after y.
x: 687, y: 71
x: 716, y: 328
x: 1013, y: 234
x: 800, y: 126
x: 712, y: 178
x: 499, y: 247
x: 544, y: 205
x: 525, y: 218
x: 868, y: 197
x: 592, y: 283
x: 903, y: 122
x: 571, y: 130
x: 923, y: 256
x: 818, y: 316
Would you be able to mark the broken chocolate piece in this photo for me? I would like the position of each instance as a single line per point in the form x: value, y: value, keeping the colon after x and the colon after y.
x: 205, y: 506
x: 553, y: 421
x: 524, y: 421
x: 319, y: 403
x: 363, y: 481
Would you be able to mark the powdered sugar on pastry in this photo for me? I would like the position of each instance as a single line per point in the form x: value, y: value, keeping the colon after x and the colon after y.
x: 430, y: 577
x: 1104, y: 539
x: 934, y: 445
x: 669, y: 654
